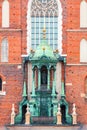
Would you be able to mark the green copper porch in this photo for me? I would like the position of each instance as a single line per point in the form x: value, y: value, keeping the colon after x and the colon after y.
x: 43, y: 101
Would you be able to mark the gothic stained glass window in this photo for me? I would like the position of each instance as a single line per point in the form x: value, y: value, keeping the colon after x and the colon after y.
x: 44, y: 13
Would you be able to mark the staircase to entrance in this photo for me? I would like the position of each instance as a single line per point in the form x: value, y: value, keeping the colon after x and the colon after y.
x: 23, y: 127
x: 43, y: 120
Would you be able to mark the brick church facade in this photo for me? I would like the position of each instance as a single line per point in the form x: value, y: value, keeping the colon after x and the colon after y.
x: 18, y: 40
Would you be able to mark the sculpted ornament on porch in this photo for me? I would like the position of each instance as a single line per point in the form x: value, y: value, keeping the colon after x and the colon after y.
x: 13, y: 115
x: 27, y: 116
x: 59, y: 122
x: 74, y: 114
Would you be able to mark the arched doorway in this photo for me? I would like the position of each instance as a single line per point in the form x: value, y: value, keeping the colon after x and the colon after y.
x: 43, y: 77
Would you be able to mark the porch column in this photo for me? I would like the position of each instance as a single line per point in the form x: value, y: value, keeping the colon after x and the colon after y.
x: 39, y: 78
x: 30, y: 72
x: 33, y: 82
x: 36, y: 82
x: 48, y: 80
x: 54, y: 83
x: 55, y: 78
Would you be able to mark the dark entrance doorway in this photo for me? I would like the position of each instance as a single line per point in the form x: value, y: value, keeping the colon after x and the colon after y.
x: 44, y: 77
x: 23, y: 113
x: 63, y: 112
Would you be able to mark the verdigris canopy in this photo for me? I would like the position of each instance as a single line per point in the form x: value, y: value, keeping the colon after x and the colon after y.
x: 44, y: 52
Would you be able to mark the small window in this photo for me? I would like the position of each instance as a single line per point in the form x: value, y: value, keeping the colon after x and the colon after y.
x: 0, y: 84
x: 4, y: 50
x: 5, y: 13
x: 83, y: 14
x: 83, y: 50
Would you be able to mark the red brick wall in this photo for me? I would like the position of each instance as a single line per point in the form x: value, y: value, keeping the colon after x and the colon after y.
x: 75, y: 74
x: 13, y: 88
x: 12, y: 75
x: 64, y: 25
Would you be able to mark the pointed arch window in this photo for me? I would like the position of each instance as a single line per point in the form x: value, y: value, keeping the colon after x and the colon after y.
x: 83, y: 14
x: 0, y: 84
x: 5, y: 13
x: 83, y: 50
x: 45, y: 13
x: 4, y: 50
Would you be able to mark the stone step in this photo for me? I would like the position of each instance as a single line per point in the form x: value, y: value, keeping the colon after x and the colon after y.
x: 43, y: 120
x: 27, y: 127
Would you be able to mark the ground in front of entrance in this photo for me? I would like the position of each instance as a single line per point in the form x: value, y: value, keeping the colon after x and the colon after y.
x: 23, y: 127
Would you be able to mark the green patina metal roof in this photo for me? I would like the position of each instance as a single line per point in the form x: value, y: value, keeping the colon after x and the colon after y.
x: 42, y: 50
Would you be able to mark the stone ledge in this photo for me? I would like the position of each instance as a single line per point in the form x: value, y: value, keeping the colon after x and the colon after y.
x: 9, y: 30
x: 77, y: 30
x: 2, y: 93
x: 56, y: 127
